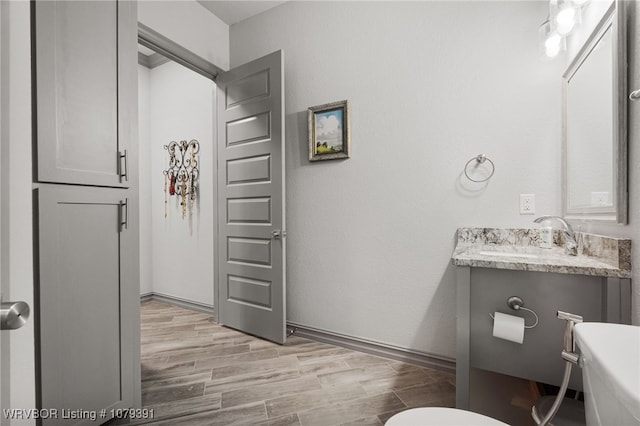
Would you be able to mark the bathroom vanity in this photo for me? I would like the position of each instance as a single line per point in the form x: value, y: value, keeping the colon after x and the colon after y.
x: 495, y: 264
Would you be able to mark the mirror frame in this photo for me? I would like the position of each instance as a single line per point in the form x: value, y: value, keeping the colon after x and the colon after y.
x: 615, y: 17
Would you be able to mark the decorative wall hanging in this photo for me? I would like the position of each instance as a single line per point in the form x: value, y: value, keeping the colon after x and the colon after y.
x: 329, y: 134
x: 181, y: 178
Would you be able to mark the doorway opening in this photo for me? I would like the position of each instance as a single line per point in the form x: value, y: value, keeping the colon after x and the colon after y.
x: 248, y: 223
x: 176, y: 104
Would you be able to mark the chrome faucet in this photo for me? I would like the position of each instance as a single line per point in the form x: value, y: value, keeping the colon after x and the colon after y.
x: 570, y: 243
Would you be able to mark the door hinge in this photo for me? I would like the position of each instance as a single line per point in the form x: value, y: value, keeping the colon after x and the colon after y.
x: 123, y: 171
x: 123, y: 215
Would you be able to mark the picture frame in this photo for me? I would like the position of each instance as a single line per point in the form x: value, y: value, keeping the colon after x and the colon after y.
x: 329, y: 133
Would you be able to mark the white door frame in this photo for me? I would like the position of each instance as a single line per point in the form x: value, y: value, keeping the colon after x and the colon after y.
x: 16, y: 200
x: 4, y: 383
x: 172, y: 50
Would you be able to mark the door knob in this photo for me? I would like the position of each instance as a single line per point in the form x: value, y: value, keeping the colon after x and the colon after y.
x: 13, y: 315
x: 278, y: 234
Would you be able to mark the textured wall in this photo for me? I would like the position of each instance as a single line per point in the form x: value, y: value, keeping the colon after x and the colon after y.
x: 179, y: 251
x: 432, y: 84
x: 189, y: 24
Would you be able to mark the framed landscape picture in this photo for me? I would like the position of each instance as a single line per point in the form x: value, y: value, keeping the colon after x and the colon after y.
x: 329, y: 137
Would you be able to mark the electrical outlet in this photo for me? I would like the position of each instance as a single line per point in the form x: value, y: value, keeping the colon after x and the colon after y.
x: 527, y: 204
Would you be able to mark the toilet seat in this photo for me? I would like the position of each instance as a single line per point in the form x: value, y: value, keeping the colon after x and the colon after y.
x: 441, y: 416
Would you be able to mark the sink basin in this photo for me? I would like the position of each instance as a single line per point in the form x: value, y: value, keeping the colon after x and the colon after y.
x: 609, y: 355
x: 507, y: 254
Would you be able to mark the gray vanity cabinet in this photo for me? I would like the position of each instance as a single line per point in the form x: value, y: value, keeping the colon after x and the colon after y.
x: 87, y: 311
x: 84, y: 68
x: 86, y: 207
x: 483, y: 291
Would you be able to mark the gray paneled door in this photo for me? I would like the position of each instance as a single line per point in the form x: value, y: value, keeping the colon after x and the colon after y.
x: 251, y: 202
x: 86, y: 302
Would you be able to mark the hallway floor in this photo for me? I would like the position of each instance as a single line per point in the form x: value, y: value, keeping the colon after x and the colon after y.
x: 195, y: 372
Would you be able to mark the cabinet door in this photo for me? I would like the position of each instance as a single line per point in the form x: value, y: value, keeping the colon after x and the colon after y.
x: 85, y: 65
x: 88, y: 301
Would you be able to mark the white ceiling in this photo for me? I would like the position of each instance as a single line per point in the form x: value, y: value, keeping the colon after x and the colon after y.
x: 233, y: 11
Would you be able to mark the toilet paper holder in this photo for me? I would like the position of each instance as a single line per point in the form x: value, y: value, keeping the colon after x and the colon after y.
x: 516, y: 303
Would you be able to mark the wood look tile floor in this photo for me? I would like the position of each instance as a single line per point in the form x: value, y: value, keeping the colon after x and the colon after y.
x: 196, y: 372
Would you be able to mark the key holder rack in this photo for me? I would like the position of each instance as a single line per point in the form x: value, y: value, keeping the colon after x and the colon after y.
x: 181, y: 177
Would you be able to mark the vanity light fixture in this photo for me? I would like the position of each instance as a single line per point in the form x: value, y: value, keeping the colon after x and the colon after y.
x: 563, y: 17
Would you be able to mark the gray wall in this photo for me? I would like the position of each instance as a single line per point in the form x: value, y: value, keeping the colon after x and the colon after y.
x: 432, y: 84
x: 175, y: 103
x: 189, y: 24
x: 181, y: 108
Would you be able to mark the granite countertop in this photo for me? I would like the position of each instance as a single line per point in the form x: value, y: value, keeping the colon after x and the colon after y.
x: 519, y: 249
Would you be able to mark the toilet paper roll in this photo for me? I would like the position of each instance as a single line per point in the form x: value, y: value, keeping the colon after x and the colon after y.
x: 508, y: 327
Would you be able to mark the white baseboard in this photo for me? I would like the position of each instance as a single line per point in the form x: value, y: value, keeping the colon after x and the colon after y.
x: 177, y: 301
x: 374, y: 348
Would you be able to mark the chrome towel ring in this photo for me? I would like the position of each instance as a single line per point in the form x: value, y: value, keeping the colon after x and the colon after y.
x: 635, y: 95
x: 479, y: 159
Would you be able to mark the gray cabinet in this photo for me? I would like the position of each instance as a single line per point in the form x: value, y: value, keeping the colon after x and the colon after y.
x: 85, y: 66
x: 483, y: 291
x: 87, y: 306
x: 86, y: 208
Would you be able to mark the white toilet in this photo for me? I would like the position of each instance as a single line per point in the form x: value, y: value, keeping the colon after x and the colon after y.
x: 610, y: 361
x: 441, y: 416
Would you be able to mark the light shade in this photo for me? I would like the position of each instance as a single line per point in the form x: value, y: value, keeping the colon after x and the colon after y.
x: 580, y: 3
x: 550, y: 42
x: 564, y: 15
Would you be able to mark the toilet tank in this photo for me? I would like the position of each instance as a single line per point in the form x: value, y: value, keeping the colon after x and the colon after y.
x: 610, y: 361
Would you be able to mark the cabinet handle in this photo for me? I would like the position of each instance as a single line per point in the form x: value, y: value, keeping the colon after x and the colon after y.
x: 123, y: 175
x: 123, y: 215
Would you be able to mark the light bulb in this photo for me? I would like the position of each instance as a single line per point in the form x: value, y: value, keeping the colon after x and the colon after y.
x: 566, y: 20
x: 552, y: 45
x: 550, y: 42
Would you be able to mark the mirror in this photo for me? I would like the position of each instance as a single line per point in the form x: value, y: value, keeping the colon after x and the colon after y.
x: 595, y: 125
